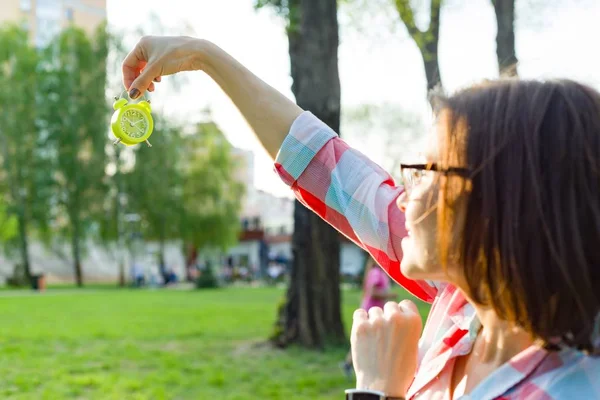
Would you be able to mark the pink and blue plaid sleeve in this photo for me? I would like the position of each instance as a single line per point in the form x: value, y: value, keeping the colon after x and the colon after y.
x: 349, y: 191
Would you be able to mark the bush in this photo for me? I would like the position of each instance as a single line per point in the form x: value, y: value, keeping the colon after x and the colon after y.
x: 207, y: 278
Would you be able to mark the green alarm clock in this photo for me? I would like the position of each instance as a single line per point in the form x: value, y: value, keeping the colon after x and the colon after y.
x: 132, y: 123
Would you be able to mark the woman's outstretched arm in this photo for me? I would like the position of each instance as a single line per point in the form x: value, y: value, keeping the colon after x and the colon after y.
x: 269, y: 113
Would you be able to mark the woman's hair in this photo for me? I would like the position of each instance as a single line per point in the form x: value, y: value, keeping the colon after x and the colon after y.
x: 531, y: 242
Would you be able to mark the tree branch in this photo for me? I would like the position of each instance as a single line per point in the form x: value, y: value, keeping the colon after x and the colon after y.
x: 408, y: 17
x: 434, y: 19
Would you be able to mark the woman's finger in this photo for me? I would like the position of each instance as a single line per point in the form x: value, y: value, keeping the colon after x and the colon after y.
x: 144, y: 81
x: 408, y: 306
x: 132, y: 66
x: 360, y: 315
x: 375, y: 313
x: 390, y: 308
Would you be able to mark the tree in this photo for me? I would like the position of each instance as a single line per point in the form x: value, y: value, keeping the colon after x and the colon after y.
x: 25, y: 172
x: 505, y: 37
x: 9, y: 225
x: 211, y: 195
x: 75, y: 121
x: 311, y: 314
x: 184, y: 189
x: 427, y: 41
x: 154, y: 187
x: 112, y: 224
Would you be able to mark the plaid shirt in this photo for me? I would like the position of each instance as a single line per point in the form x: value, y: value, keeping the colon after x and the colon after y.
x: 358, y: 197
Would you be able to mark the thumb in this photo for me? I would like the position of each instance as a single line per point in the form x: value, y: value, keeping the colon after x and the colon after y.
x: 143, y: 81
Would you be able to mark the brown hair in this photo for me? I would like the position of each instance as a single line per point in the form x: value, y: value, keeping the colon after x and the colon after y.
x: 531, y: 242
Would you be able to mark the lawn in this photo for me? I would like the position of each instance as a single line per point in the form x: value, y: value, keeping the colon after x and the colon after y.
x: 162, y: 344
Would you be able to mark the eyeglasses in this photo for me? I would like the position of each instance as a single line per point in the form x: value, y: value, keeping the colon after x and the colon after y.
x: 413, y: 174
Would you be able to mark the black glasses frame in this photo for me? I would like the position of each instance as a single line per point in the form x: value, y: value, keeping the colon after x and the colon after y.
x: 464, y: 172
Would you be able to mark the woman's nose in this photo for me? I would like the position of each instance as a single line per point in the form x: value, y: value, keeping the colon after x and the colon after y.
x: 401, y: 201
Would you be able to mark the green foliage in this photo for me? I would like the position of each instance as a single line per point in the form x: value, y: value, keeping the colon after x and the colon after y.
x: 60, y: 178
x: 25, y: 178
x: 282, y: 7
x: 211, y: 195
x: 75, y: 119
x: 184, y: 186
x: 288, y: 9
x: 154, y: 185
x: 8, y: 223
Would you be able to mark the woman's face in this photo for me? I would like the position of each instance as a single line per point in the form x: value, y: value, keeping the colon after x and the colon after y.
x: 420, y: 248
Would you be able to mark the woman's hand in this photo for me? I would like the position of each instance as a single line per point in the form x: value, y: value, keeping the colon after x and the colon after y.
x: 385, y: 347
x: 156, y: 56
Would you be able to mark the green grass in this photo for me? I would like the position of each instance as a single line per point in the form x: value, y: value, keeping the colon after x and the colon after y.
x: 163, y: 344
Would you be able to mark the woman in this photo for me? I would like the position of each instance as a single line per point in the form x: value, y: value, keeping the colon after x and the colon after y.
x: 376, y: 292
x: 499, y: 228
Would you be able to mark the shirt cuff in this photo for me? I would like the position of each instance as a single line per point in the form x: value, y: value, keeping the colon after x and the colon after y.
x: 307, y: 136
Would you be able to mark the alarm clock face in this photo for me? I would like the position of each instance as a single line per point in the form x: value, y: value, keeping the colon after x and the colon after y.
x: 134, y: 123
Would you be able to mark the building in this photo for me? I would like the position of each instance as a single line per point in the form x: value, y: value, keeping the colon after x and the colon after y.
x: 266, y: 221
x: 267, y: 226
x: 44, y: 19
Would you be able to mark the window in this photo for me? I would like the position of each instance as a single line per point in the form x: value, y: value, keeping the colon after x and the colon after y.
x: 69, y: 14
x: 26, y: 5
x: 46, y: 30
x: 48, y: 22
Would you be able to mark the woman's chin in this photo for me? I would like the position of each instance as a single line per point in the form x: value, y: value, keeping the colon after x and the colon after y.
x: 415, y: 267
x: 414, y: 270
x: 410, y: 269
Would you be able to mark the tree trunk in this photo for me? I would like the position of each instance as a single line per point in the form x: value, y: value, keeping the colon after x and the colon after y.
x: 162, y: 266
x: 431, y: 64
x: 505, y: 37
x: 76, y: 248
x: 190, y: 253
x: 121, y: 271
x: 120, y: 241
x: 119, y: 219
x: 24, y: 245
x: 427, y: 41
x: 161, y: 252
x: 162, y: 239
x: 311, y: 315
x: 17, y: 198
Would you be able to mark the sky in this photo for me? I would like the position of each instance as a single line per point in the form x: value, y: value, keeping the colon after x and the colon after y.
x: 378, y: 63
